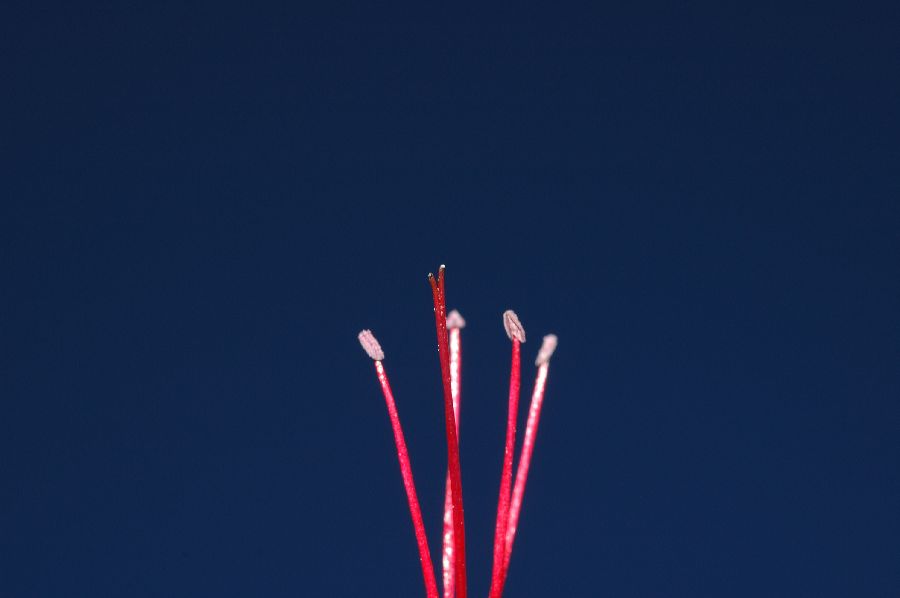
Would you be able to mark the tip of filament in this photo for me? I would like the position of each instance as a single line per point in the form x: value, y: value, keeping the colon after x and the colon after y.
x: 513, y: 326
x: 547, y: 349
x: 370, y: 345
x: 455, y: 320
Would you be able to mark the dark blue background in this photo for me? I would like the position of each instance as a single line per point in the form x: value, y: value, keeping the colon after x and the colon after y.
x: 202, y: 204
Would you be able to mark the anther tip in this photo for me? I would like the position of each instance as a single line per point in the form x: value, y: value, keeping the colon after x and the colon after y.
x: 455, y: 320
x: 514, y: 328
x: 547, y: 349
x: 370, y: 345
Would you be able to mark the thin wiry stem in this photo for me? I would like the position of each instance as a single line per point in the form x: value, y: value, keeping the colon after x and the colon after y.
x: 415, y: 511
x: 503, y: 501
x: 459, y: 531
x: 534, y: 415
x: 454, y: 323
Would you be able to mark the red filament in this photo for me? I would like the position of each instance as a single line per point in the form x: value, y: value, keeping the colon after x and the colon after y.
x: 454, y: 323
x: 408, y: 483
x: 459, y: 531
x: 506, y: 477
x: 534, y: 415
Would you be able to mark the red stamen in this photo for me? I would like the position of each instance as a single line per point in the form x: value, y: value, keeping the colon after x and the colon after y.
x: 534, y: 416
x: 454, y: 323
x: 371, y: 346
x: 516, y: 333
x: 459, y: 531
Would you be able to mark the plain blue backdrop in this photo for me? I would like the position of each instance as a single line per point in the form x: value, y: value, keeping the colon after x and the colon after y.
x: 203, y: 203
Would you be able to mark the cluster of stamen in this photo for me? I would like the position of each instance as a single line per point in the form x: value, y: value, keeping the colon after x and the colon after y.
x: 509, y: 503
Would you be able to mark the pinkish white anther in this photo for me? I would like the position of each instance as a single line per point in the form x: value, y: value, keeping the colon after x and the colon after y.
x: 370, y: 345
x: 547, y: 349
x: 454, y: 320
x: 513, y: 326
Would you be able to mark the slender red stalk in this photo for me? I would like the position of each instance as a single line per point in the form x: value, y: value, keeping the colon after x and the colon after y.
x: 454, y: 323
x: 534, y: 416
x: 517, y: 336
x: 459, y: 531
x: 374, y: 350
